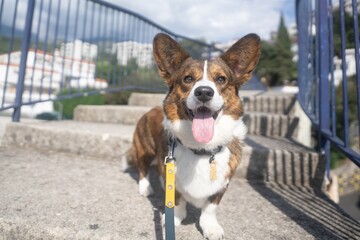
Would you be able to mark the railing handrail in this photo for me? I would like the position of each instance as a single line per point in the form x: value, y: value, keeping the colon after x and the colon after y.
x: 316, y: 73
x: 137, y: 15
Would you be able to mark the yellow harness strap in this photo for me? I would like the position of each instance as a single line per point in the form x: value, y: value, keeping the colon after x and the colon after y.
x: 170, y: 185
x: 170, y: 191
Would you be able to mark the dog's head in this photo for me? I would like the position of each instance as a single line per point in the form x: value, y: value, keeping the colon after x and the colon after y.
x: 203, y: 95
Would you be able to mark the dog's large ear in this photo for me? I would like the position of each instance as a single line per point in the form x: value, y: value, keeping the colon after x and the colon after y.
x: 243, y: 56
x: 168, y: 55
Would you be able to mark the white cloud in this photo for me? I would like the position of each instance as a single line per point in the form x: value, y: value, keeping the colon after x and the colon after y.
x: 212, y: 19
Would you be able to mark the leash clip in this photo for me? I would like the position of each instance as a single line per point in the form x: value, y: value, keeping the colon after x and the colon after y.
x: 170, y: 157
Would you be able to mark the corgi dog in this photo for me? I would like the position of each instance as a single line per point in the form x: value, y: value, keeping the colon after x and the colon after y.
x: 202, y: 112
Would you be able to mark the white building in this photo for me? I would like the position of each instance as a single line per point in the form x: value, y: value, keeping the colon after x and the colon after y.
x: 127, y: 50
x: 79, y: 50
x: 350, y: 66
x: 45, y: 74
x: 44, y: 70
x: 42, y: 74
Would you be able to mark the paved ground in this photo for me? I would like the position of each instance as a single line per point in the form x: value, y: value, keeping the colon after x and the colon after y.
x: 48, y: 195
x: 351, y: 204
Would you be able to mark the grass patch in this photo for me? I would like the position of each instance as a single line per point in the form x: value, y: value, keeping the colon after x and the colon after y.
x: 68, y: 105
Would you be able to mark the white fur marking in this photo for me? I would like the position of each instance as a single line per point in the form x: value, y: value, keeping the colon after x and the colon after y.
x: 180, y: 212
x: 205, y: 70
x: 214, y: 104
x: 145, y: 188
x: 124, y: 163
x: 209, y: 224
x: 193, y: 174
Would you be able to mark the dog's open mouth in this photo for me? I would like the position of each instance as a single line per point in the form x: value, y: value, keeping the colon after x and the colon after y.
x: 201, y: 110
x: 203, y: 122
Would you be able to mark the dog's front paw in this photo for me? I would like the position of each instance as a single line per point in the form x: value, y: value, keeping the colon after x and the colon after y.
x: 211, y: 229
x: 145, y: 188
x: 124, y: 163
x: 177, y: 220
x: 213, y: 232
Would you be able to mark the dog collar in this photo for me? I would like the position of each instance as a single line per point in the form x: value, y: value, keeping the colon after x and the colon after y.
x: 203, y: 151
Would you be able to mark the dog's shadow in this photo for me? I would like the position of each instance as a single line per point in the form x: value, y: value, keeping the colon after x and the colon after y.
x: 157, y: 202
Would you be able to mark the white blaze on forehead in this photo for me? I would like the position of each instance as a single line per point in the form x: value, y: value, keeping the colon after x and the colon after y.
x: 215, y: 103
x: 205, y: 77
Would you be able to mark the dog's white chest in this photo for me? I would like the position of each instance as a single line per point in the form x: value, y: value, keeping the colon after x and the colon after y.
x: 193, y: 172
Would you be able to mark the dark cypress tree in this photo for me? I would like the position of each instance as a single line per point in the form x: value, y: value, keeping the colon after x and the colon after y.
x: 283, y: 38
x: 286, y: 67
x: 276, y: 64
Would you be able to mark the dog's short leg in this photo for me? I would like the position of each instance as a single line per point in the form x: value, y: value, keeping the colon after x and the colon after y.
x: 145, y: 188
x: 162, y: 183
x: 124, y: 163
x: 180, y: 211
x: 209, y: 224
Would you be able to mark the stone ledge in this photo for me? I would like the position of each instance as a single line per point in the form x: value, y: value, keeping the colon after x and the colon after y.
x: 268, y: 101
x: 264, y: 159
x: 265, y: 124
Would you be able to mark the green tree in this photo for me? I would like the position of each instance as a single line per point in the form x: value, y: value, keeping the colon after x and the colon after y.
x: 276, y: 64
x: 267, y: 67
x: 286, y: 67
x: 349, y: 30
x: 337, y: 156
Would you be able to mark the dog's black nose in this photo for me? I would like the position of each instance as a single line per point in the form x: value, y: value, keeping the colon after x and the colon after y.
x: 204, y: 93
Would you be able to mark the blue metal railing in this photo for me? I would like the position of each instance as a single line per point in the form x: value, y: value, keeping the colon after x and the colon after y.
x: 57, y: 49
x: 329, y: 72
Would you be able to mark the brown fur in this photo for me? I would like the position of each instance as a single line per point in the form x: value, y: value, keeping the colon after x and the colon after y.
x: 236, y: 65
x: 149, y: 142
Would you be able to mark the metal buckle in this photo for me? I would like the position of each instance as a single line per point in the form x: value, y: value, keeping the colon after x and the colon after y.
x: 168, y: 159
x: 170, y: 156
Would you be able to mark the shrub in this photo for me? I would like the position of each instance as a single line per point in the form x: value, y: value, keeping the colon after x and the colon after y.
x: 69, y: 105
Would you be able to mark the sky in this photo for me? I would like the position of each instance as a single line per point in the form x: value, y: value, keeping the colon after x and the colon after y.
x: 211, y: 20
x: 214, y: 20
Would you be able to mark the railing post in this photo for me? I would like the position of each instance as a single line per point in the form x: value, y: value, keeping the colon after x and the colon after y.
x: 302, y: 21
x: 209, y: 50
x: 324, y: 62
x: 24, y: 52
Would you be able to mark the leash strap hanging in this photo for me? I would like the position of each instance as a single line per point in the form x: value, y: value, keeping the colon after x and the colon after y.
x: 170, y: 192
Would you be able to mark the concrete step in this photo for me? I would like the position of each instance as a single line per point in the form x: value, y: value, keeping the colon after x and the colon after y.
x: 122, y: 114
x: 270, y: 102
x: 50, y: 195
x: 264, y: 159
x: 146, y: 99
x: 267, y: 102
x: 272, y: 125
x: 265, y: 124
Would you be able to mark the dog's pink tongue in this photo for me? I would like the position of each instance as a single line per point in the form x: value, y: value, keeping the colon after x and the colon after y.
x: 203, y: 126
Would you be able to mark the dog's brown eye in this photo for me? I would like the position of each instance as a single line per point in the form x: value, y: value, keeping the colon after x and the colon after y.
x: 188, y: 79
x: 221, y: 80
